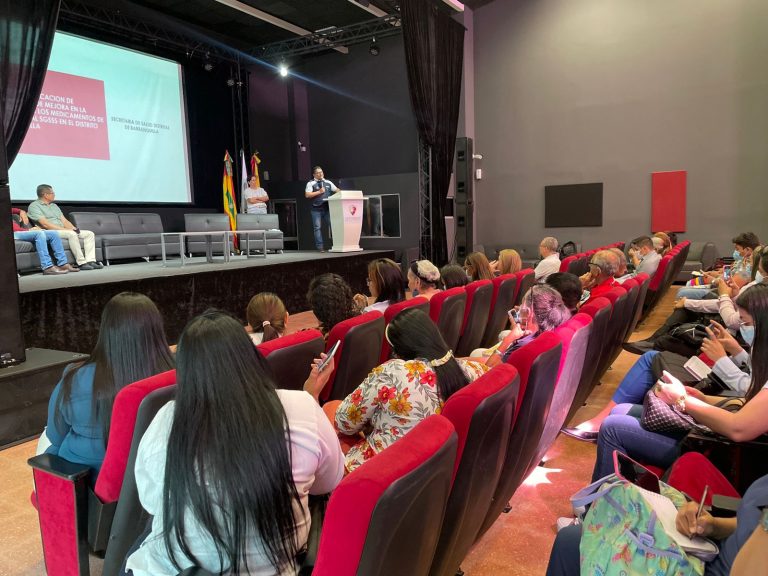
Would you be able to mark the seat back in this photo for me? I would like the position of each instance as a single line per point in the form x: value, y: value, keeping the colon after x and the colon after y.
x: 357, y: 355
x: 290, y: 357
x: 446, y: 309
x: 566, y: 262
x: 140, y: 223
x: 643, y: 281
x: 525, y: 279
x: 617, y: 325
x: 258, y: 222
x: 205, y: 223
x: 392, y: 311
x: 656, y: 287
x: 481, y: 413
x: 384, y: 518
x: 577, y: 332
x: 100, y: 223
x: 537, y: 364
x: 502, y: 299
x: 475, y: 316
x: 599, y: 310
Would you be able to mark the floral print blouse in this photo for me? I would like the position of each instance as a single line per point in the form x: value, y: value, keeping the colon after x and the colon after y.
x: 392, y: 399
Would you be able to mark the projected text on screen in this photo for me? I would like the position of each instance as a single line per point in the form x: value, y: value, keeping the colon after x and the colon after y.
x: 109, y: 126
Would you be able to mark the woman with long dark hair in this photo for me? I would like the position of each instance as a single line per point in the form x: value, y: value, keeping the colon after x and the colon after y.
x: 225, y: 469
x: 400, y: 393
x: 131, y: 346
x: 386, y: 285
x: 477, y: 266
x: 622, y: 430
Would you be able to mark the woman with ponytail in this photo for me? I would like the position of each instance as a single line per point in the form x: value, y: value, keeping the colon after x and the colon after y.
x: 225, y: 470
x: 267, y: 317
x: 400, y: 393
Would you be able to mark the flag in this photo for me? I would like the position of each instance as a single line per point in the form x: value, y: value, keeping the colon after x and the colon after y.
x: 243, y: 185
x: 228, y: 190
x: 255, y: 161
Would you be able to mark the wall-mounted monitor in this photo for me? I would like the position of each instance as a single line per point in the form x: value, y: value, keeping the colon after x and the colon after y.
x: 572, y: 205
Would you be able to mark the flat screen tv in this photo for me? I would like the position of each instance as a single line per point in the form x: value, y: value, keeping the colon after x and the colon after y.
x: 571, y: 205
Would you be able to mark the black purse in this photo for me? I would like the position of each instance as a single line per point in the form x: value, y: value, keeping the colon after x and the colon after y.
x: 684, y: 339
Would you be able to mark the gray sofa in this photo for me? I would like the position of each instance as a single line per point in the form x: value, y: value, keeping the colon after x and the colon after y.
x: 220, y: 222
x: 27, y: 259
x: 701, y: 256
x: 125, y: 235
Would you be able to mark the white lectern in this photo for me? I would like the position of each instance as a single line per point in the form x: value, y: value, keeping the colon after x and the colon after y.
x: 346, y: 208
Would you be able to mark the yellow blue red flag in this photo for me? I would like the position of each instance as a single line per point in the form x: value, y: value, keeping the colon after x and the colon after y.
x: 228, y: 190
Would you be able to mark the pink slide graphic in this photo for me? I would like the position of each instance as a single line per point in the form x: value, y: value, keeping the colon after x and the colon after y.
x: 70, y: 119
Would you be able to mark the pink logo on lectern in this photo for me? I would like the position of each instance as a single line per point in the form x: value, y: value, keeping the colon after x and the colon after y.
x: 70, y: 119
x: 352, y: 210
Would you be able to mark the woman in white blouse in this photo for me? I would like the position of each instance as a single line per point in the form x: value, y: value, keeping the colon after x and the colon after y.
x: 225, y: 470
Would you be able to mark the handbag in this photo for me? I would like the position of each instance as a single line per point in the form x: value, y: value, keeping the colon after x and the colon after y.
x: 658, y: 416
x: 684, y: 339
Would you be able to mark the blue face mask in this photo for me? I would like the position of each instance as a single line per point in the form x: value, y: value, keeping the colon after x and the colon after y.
x: 737, y: 256
x: 759, y: 277
x: 415, y: 293
x: 747, y: 333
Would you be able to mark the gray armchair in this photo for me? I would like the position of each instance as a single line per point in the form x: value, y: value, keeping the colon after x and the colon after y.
x: 267, y: 222
x: 701, y: 256
x: 206, y: 223
x: 148, y: 228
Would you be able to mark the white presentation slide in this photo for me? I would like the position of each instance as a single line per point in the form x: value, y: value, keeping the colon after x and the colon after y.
x: 110, y: 126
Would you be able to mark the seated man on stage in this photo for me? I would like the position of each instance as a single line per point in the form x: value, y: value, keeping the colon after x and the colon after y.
x: 256, y: 197
x: 50, y: 217
x: 22, y: 230
x: 319, y: 190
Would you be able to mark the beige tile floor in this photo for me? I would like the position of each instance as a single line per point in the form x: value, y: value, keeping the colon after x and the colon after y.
x: 518, y: 544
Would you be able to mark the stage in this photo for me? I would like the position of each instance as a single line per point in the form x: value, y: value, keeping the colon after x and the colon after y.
x: 63, y: 312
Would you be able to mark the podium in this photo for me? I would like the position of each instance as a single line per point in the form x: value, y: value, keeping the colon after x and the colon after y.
x: 346, y: 207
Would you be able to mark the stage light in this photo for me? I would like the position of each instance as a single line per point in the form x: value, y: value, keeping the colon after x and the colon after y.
x: 283, y: 69
x: 208, y: 65
x: 230, y: 82
x: 374, y: 48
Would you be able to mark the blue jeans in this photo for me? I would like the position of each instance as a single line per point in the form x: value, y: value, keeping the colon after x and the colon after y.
x: 637, y: 381
x: 622, y: 431
x: 321, y: 218
x: 41, y: 239
x: 694, y: 292
x: 564, y: 558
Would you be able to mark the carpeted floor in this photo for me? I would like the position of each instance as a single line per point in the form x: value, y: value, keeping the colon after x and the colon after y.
x: 518, y: 544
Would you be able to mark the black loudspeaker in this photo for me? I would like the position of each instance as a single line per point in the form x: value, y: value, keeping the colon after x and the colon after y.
x: 11, y: 338
x: 464, y: 198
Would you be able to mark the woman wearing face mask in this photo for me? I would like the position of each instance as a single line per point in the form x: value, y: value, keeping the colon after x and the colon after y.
x: 423, y: 279
x: 622, y: 431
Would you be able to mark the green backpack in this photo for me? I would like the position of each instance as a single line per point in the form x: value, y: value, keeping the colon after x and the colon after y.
x: 621, y: 534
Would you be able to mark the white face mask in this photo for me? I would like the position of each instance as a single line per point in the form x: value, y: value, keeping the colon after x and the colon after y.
x: 748, y: 334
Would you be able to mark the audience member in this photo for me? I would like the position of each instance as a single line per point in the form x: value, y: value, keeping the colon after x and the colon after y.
x: 423, y: 279
x: 255, y: 197
x: 541, y: 310
x: 385, y: 283
x: 478, y: 267
x: 550, y: 262
x: 330, y: 298
x: 400, y: 393
x: 226, y: 468
x: 731, y: 533
x: 509, y: 262
x: 453, y: 275
x: 50, y: 217
x: 644, y: 256
x: 622, y: 273
x: 22, y: 230
x: 131, y: 346
x: 664, y: 243
x: 600, y: 278
x: 622, y: 431
x: 569, y: 287
x: 267, y: 317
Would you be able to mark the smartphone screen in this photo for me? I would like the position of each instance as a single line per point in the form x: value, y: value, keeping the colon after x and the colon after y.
x: 726, y: 272
x: 635, y: 473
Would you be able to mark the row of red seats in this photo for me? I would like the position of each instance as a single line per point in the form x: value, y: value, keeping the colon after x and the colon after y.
x: 539, y: 391
x: 579, y: 263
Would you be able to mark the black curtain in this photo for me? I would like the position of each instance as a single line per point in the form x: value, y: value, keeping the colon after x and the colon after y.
x: 434, y: 49
x: 26, y: 37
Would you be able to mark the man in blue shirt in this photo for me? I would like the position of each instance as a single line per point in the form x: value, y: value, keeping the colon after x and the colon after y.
x: 319, y: 190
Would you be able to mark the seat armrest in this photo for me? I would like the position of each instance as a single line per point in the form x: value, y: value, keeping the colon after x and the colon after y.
x: 58, y: 466
x: 724, y: 506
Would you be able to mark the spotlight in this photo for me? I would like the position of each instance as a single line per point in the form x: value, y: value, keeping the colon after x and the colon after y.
x: 230, y: 82
x: 208, y: 65
x: 374, y: 48
x: 283, y: 69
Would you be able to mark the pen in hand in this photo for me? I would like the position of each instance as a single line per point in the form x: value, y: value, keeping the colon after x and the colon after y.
x: 701, y: 508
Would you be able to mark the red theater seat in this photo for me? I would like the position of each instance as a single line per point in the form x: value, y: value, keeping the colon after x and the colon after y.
x: 384, y: 518
x: 525, y: 279
x: 503, y: 298
x: 290, y: 357
x: 446, y: 309
x: 107, y: 519
x: 475, y: 316
x: 566, y: 262
x: 481, y: 413
x: 357, y: 355
x: 392, y: 311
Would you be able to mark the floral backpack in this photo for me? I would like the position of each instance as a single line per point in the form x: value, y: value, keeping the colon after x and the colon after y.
x: 622, y: 535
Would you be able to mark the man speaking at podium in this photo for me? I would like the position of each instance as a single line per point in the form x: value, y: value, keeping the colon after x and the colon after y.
x: 319, y: 190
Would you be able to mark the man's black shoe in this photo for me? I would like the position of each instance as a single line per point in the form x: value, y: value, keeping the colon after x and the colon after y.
x: 95, y: 265
x: 640, y: 347
x: 583, y: 435
x: 86, y: 266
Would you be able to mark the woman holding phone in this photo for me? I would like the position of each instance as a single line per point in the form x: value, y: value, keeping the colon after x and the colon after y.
x: 622, y: 430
